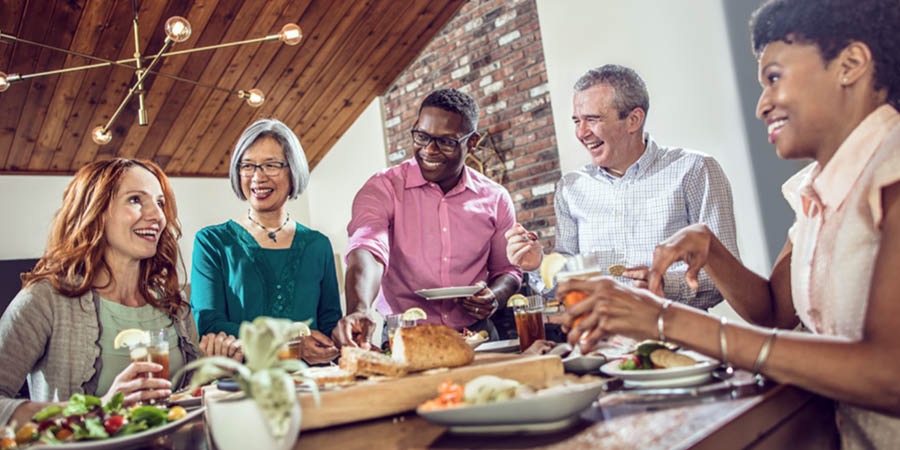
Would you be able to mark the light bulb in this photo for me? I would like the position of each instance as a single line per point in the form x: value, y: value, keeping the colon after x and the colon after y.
x: 101, y: 136
x: 254, y: 97
x: 4, y: 82
x: 178, y: 29
x: 290, y: 34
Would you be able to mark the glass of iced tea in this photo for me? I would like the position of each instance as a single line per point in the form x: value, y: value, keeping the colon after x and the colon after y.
x: 292, y: 350
x: 529, y: 321
x: 158, y: 351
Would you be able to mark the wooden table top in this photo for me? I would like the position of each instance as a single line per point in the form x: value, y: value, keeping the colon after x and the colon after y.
x: 781, y: 417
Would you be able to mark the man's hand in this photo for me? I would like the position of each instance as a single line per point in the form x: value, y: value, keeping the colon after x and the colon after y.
x: 481, y: 304
x: 523, y: 248
x: 355, y: 330
x: 318, y: 349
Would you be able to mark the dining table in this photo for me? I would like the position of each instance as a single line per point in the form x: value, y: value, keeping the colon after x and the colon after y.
x: 746, y: 414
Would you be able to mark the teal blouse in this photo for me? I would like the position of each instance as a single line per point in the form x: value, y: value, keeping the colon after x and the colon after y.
x: 233, y: 280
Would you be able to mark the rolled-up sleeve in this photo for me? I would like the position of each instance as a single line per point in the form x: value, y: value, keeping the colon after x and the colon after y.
x: 370, y: 223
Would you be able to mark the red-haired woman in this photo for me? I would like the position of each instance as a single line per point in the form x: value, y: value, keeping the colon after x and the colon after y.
x: 110, y: 264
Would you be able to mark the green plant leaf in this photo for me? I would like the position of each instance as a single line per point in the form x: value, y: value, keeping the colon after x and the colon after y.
x: 274, y: 393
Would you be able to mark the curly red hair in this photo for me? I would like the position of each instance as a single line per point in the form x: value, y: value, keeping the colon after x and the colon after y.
x: 75, y: 249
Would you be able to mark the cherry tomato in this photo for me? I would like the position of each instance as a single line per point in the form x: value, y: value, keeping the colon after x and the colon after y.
x: 176, y: 413
x: 28, y: 433
x: 113, y: 424
x: 63, y: 434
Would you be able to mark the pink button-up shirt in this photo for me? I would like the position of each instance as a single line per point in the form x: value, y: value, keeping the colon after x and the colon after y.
x: 427, y: 239
x: 836, y: 238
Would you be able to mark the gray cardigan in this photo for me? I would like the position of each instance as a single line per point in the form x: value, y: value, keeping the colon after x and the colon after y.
x: 53, y: 341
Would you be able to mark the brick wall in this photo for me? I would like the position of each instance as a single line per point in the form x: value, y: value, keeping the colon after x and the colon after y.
x: 492, y: 51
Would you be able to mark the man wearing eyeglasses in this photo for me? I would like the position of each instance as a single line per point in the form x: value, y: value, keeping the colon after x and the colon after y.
x: 430, y: 222
x: 634, y: 194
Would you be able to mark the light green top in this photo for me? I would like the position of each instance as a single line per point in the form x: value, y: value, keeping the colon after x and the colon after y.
x: 115, y: 317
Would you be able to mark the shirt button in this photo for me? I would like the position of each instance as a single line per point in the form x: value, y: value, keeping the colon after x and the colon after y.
x: 278, y: 296
x: 445, y: 229
x: 277, y: 286
x: 445, y: 259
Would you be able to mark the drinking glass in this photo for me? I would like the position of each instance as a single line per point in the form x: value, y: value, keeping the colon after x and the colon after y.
x: 393, y: 322
x: 530, y: 321
x: 293, y: 349
x: 158, y: 351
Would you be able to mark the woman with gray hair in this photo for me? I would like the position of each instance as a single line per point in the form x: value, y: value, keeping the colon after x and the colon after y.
x: 263, y: 263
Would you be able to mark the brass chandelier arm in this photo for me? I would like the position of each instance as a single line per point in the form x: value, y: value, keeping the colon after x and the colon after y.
x: 143, y: 74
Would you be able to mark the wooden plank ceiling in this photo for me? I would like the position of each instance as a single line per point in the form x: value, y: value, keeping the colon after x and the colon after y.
x: 352, y: 51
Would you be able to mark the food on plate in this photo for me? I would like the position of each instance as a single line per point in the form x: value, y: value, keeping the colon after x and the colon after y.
x: 84, y: 417
x: 414, y: 313
x: 330, y: 376
x: 666, y: 359
x: 184, y: 395
x: 492, y: 389
x: 366, y: 363
x: 426, y: 347
x: 474, y: 338
x: 550, y: 266
x: 616, y: 270
x: 655, y: 355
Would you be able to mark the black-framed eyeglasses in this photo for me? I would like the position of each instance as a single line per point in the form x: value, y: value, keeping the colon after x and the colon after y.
x: 271, y: 168
x: 444, y: 144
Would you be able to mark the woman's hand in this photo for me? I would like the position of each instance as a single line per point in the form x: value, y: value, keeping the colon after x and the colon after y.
x: 523, y: 248
x: 222, y: 345
x: 355, y: 330
x: 136, y: 386
x: 610, y: 308
x: 318, y: 349
x: 690, y: 244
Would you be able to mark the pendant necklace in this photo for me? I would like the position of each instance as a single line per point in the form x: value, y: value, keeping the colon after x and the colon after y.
x: 270, y: 233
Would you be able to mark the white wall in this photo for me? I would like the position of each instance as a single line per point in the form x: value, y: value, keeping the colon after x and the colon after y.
x: 681, y: 50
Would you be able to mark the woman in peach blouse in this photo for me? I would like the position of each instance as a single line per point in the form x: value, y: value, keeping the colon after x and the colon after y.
x: 830, y: 73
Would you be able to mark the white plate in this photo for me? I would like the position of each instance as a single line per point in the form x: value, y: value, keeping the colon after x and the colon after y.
x: 476, y: 341
x: 190, y: 402
x: 675, y: 377
x: 539, y: 409
x: 450, y: 292
x: 505, y: 346
x: 124, y: 441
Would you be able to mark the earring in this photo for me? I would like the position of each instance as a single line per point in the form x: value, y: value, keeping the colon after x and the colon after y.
x: 844, y: 80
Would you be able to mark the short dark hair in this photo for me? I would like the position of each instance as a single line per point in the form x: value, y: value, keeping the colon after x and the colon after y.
x: 454, y: 101
x: 630, y: 90
x: 832, y: 25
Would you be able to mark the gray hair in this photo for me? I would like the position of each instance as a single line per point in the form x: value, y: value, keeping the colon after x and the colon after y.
x: 630, y: 90
x: 293, y: 154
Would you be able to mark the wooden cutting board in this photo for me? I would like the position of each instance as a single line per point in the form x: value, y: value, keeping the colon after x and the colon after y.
x: 372, y: 399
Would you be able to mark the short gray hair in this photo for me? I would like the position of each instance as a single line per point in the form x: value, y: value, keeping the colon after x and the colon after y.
x: 630, y: 90
x: 293, y: 154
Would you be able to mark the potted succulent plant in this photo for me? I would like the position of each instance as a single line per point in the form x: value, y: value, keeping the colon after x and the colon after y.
x: 266, y: 412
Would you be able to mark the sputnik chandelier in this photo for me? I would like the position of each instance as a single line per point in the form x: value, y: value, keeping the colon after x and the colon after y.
x: 178, y: 30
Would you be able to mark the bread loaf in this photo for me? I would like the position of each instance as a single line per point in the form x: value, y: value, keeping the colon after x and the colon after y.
x: 330, y: 376
x: 367, y: 363
x: 426, y: 347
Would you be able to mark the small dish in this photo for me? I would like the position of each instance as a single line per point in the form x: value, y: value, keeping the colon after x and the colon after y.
x: 583, y: 364
x: 549, y: 408
x: 450, y: 292
x: 504, y: 346
x: 675, y: 377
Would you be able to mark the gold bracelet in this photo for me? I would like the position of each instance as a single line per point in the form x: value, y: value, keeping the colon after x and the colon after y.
x: 764, y: 351
x: 660, y: 324
x: 723, y: 343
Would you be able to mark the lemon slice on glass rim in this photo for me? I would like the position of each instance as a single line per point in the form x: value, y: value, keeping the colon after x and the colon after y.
x: 414, y: 313
x: 299, y: 329
x: 550, y: 266
x: 131, y: 337
x: 517, y: 300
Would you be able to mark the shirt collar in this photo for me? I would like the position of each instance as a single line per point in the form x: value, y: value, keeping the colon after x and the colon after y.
x: 834, y: 181
x: 651, y: 150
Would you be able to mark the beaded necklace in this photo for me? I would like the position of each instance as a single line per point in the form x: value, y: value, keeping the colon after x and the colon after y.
x: 270, y: 233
